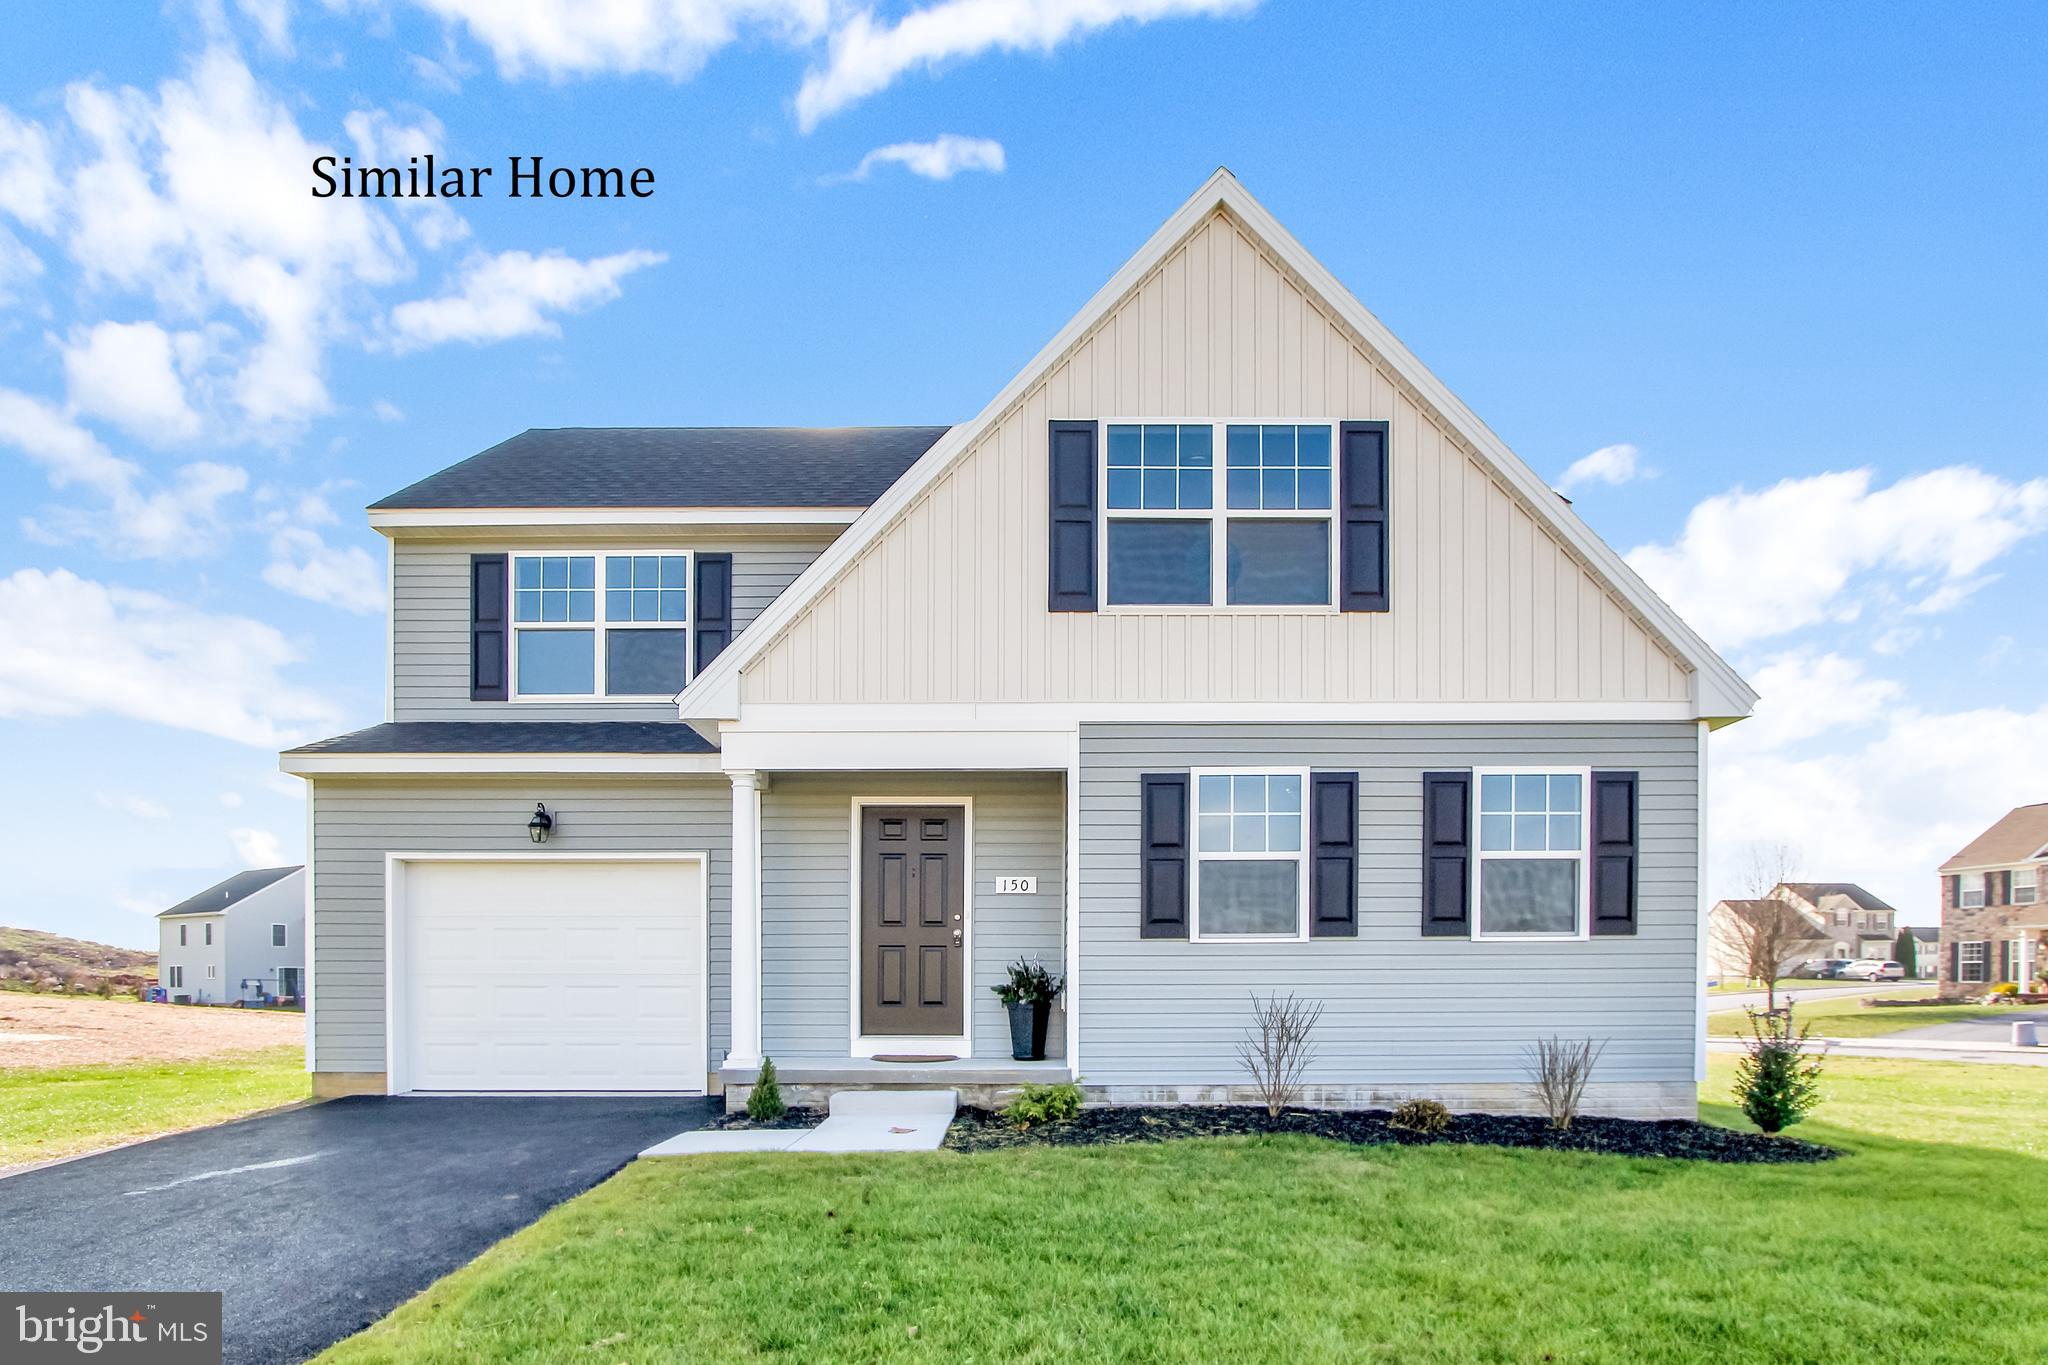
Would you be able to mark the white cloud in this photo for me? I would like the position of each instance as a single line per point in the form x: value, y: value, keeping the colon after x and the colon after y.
x: 128, y: 803
x: 1749, y: 566
x: 511, y: 294
x: 385, y: 410
x: 560, y: 38
x: 29, y: 188
x: 304, y: 565
x: 382, y: 139
x: 940, y: 159
x: 1615, y: 464
x: 80, y: 648
x: 1804, y: 693
x: 866, y: 56
x: 272, y: 19
x: 257, y: 847
x: 231, y: 800
x: 18, y: 265
x: 141, y: 905
x: 127, y: 372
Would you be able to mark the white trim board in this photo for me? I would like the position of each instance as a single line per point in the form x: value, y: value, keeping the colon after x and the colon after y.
x: 859, y: 1044
x: 1719, y: 692
x: 480, y: 518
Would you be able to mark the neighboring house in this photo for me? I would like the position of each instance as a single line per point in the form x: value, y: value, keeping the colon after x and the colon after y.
x: 1730, y: 946
x: 1994, y: 923
x: 1844, y: 919
x: 241, y: 939
x: 1927, y: 950
x: 1225, y: 653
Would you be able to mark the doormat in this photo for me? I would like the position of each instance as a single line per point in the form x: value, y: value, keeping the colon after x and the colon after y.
x: 915, y: 1057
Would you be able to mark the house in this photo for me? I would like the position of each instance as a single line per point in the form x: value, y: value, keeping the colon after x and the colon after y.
x: 1926, y: 951
x: 1741, y: 931
x: 242, y: 939
x: 1993, y: 922
x: 1225, y: 653
x: 1840, y: 919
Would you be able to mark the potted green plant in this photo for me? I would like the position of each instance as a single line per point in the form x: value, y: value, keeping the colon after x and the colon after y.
x: 1028, y: 995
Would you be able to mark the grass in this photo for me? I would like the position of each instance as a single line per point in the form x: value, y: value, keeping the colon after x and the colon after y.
x: 1296, y: 1249
x: 1845, y: 1017
x: 1802, y: 983
x: 55, y: 1112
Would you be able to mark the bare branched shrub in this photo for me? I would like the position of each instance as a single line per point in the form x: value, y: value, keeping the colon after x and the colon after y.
x: 1558, y: 1072
x: 1276, y: 1048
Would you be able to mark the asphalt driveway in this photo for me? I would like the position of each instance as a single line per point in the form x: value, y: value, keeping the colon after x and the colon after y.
x: 318, y: 1221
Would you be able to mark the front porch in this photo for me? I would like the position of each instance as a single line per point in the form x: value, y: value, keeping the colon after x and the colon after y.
x: 988, y: 1083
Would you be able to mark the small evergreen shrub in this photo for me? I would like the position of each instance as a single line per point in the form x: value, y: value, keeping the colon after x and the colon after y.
x: 1426, y: 1117
x: 765, y: 1104
x: 1777, y: 1081
x: 1044, y: 1104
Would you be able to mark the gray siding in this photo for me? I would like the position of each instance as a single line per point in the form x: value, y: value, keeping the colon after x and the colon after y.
x: 1399, y: 1008
x: 356, y: 822
x: 807, y: 909
x: 430, y: 629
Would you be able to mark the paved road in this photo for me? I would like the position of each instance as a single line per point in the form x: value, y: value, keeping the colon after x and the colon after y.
x: 318, y: 1221
x: 1996, y: 1054
x: 1820, y: 990
x: 1994, y: 1030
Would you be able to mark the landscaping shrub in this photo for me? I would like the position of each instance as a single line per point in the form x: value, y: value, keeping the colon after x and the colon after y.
x: 1276, y: 1048
x: 765, y: 1104
x: 1778, y: 1080
x: 1558, y: 1072
x: 2005, y: 988
x: 1044, y: 1104
x: 1420, y: 1116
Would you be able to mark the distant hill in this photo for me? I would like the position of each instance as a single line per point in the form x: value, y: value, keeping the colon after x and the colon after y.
x: 31, y: 954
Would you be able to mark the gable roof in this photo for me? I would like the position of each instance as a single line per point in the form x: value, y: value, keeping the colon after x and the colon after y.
x: 557, y: 467
x: 516, y: 737
x: 1719, y: 692
x: 221, y: 895
x: 2018, y: 837
x: 1926, y: 933
x: 1813, y: 891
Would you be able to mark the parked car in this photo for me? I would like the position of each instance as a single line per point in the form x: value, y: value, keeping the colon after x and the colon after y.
x: 1873, y: 969
x: 1822, y: 968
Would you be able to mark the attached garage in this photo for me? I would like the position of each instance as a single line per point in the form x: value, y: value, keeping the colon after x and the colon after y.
x: 547, y: 973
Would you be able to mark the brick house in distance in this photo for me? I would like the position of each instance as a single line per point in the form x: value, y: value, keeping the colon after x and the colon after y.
x: 1993, y: 917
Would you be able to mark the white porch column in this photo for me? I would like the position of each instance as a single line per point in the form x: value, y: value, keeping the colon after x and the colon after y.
x: 746, y: 919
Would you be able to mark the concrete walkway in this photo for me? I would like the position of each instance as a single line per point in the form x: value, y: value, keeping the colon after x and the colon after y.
x: 855, y: 1121
x: 1819, y: 990
x: 1992, y: 1053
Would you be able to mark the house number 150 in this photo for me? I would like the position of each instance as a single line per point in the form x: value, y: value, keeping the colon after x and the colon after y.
x: 1016, y: 886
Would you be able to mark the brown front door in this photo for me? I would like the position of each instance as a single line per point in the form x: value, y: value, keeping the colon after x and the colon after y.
x: 913, y: 909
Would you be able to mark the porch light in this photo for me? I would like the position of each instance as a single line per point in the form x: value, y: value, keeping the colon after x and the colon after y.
x: 541, y: 825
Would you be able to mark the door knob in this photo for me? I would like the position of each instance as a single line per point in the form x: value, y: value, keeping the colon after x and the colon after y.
x: 956, y: 938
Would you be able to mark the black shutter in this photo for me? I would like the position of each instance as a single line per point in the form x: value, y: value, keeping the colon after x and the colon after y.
x: 1955, y: 890
x: 713, y: 613
x: 1070, y: 550
x: 1333, y: 855
x: 1447, y: 855
x: 2004, y: 882
x: 1614, y: 853
x: 1362, y: 496
x: 487, y: 628
x: 1955, y: 961
x: 1163, y: 831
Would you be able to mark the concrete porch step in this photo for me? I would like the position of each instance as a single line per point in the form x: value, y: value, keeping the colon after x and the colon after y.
x: 856, y: 1121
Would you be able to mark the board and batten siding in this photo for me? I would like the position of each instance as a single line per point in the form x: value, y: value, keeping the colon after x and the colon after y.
x: 356, y: 822
x: 807, y: 901
x: 1399, y: 1009
x: 430, y: 626
x: 948, y: 604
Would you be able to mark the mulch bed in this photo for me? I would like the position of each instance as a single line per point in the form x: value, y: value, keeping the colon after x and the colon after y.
x: 794, y: 1117
x: 981, y: 1130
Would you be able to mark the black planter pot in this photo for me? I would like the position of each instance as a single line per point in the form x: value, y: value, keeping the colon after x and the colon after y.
x: 1027, y: 1030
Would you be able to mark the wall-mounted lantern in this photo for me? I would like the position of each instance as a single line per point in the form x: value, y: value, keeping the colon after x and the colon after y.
x: 541, y: 825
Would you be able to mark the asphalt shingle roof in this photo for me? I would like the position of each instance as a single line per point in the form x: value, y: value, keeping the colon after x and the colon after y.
x: 2018, y: 836
x: 676, y: 467
x: 516, y: 737
x: 221, y: 895
x: 1813, y: 891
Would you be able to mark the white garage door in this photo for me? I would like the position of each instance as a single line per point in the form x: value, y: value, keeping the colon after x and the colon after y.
x: 551, y: 976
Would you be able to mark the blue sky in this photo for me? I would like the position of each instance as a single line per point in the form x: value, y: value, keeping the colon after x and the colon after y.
x: 1774, y: 274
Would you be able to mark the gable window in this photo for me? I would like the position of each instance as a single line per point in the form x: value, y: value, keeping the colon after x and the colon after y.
x: 1530, y: 873
x: 2026, y: 886
x: 1970, y: 890
x: 1249, y: 883
x: 1973, y: 961
x: 277, y: 936
x: 629, y: 640
x: 1168, y: 542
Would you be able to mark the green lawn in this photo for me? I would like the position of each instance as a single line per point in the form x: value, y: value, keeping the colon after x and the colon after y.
x: 1800, y: 983
x: 1844, y: 1016
x: 49, y: 1113
x: 1297, y: 1249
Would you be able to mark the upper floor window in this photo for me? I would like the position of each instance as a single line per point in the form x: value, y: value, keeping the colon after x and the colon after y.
x: 1970, y: 890
x: 1167, y: 542
x: 2026, y: 886
x: 629, y: 639
x: 181, y: 934
x: 207, y: 931
x: 277, y: 936
x: 1249, y: 878
x: 1532, y: 852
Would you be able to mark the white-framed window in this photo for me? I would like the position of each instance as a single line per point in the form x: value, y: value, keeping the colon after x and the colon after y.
x: 2026, y: 885
x: 608, y: 625
x: 277, y: 935
x: 181, y: 934
x: 175, y: 977
x: 1250, y: 878
x: 1529, y: 878
x: 206, y: 931
x: 1970, y: 890
x: 212, y: 970
x: 1185, y: 528
x: 1973, y: 961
